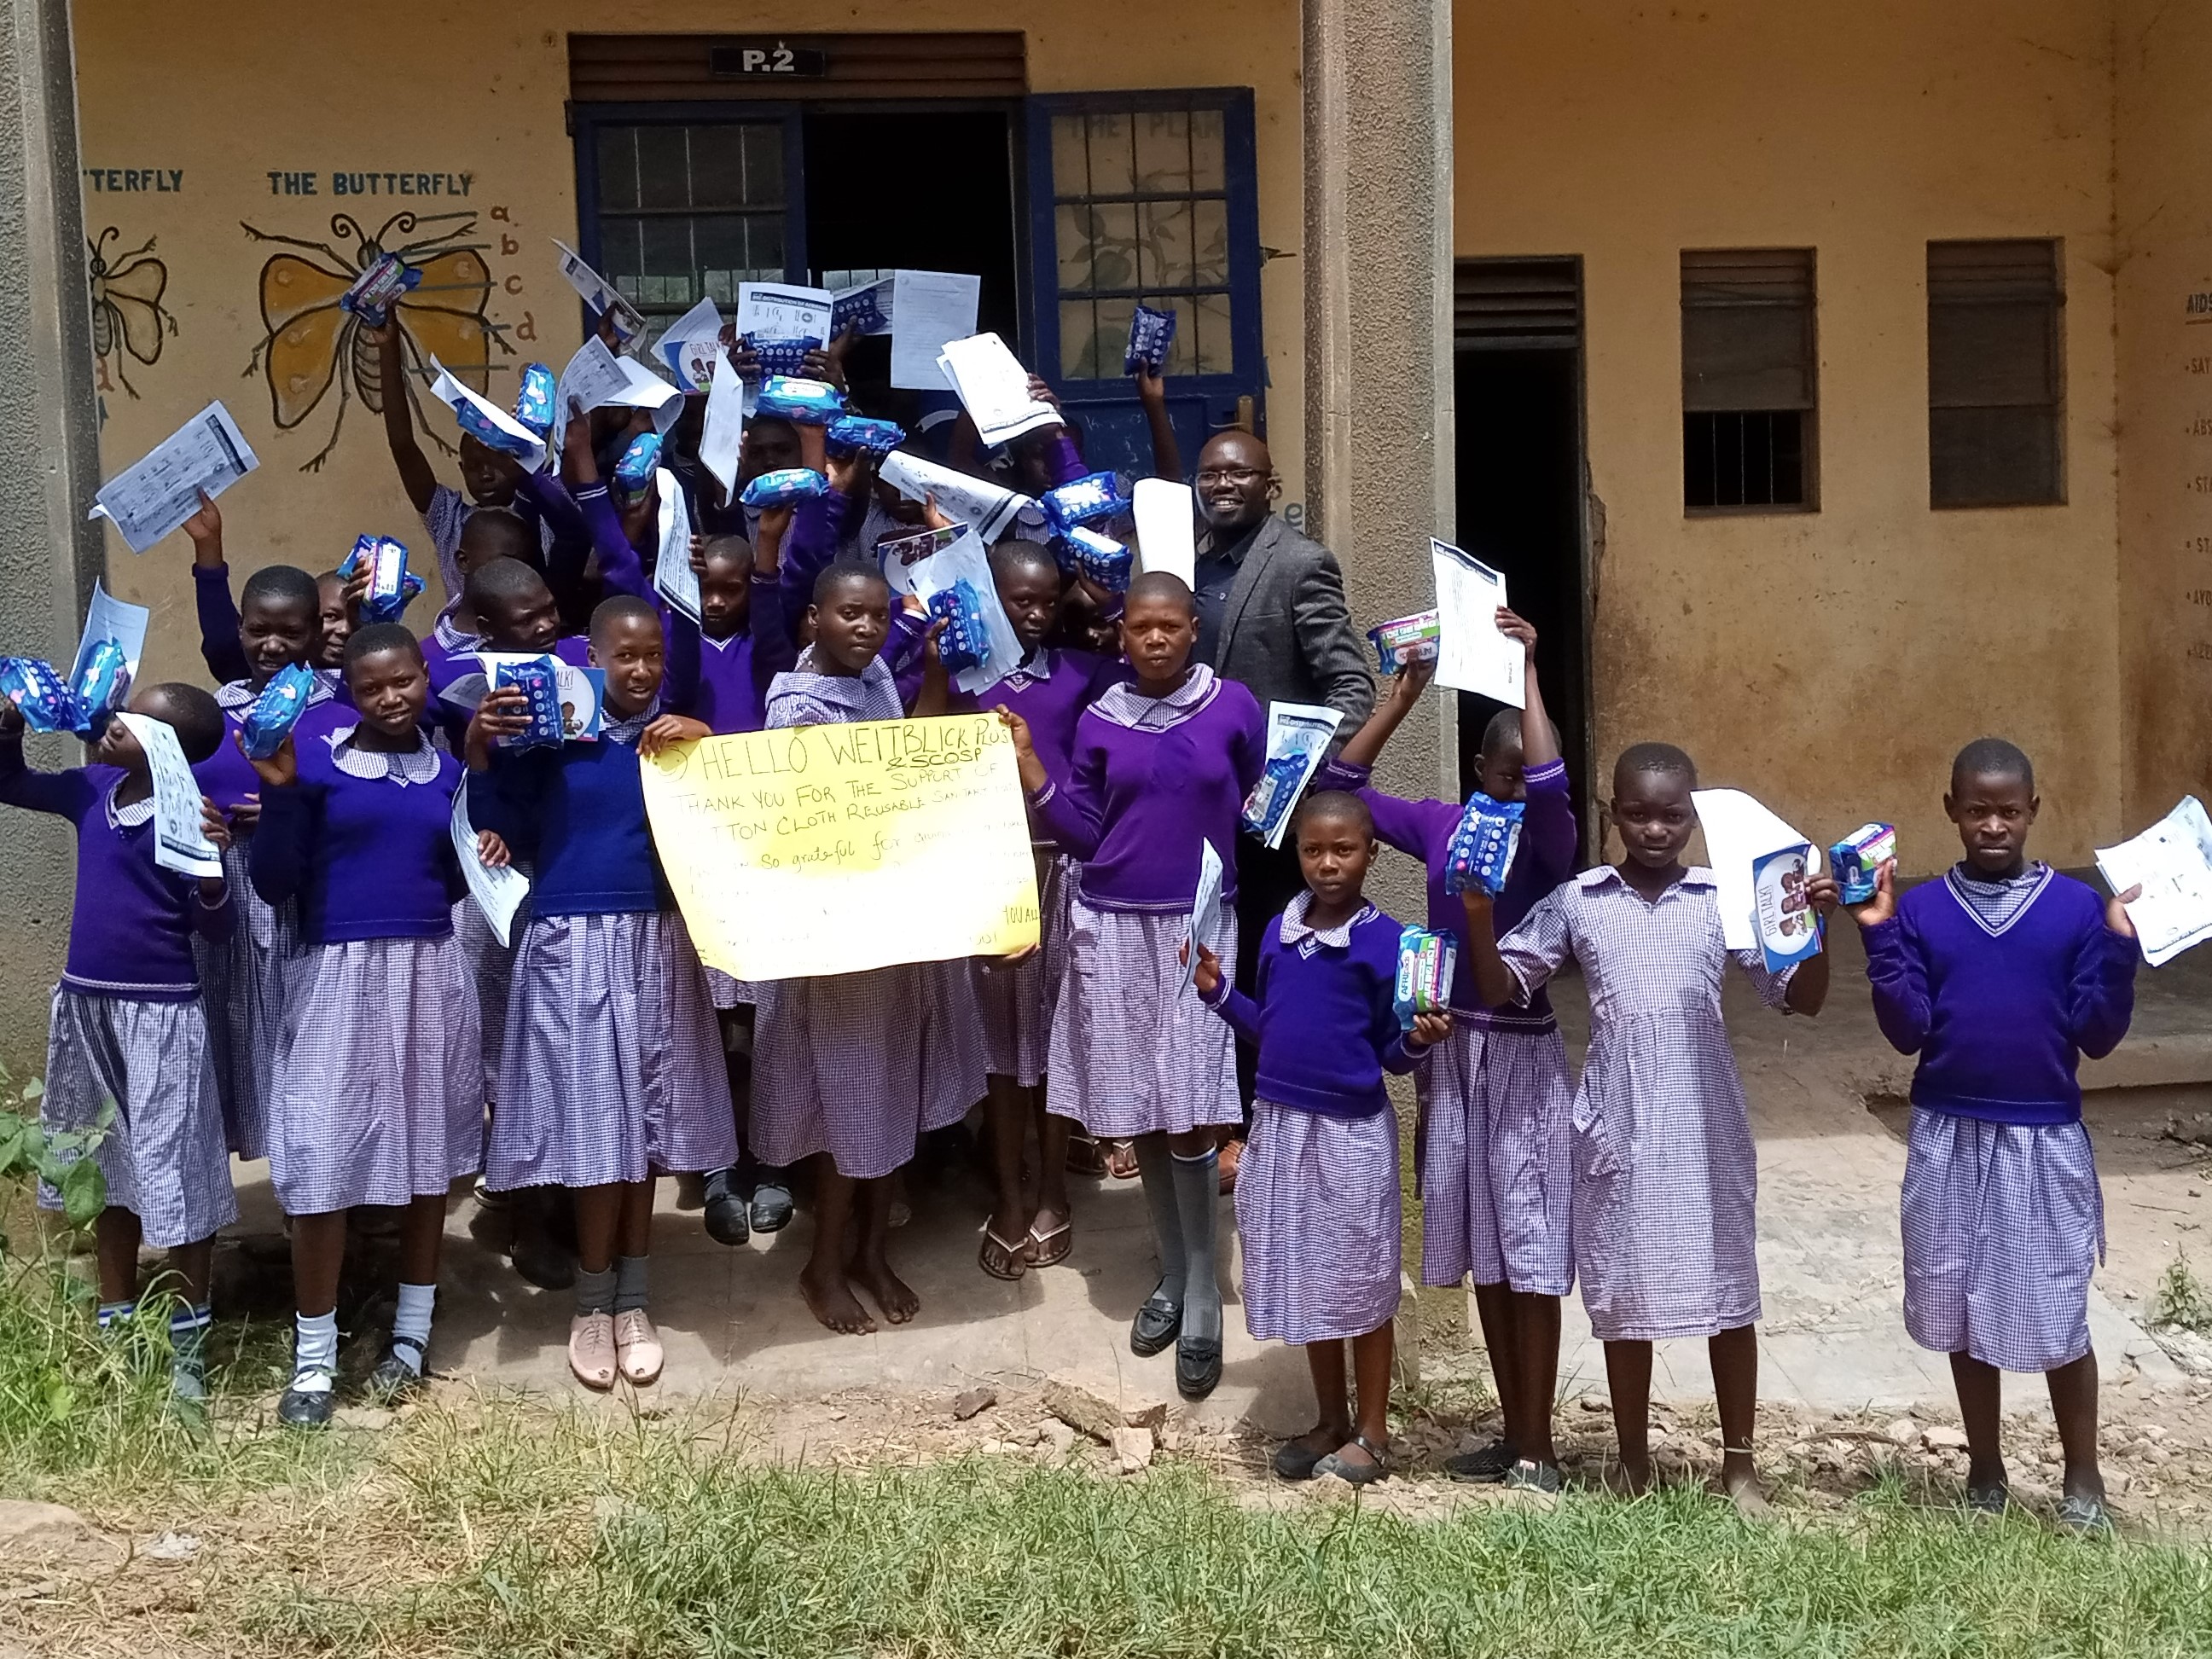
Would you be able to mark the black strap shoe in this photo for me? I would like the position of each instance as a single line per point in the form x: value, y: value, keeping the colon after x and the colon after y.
x: 303, y: 1408
x: 1157, y: 1323
x: 1198, y: 1366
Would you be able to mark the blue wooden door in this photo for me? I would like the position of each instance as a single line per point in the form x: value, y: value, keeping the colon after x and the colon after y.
x: 1146, y: 196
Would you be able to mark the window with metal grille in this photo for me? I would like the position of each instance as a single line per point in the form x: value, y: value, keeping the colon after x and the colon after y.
x: 1748, y: 380
x: 1996, y: 375
x: 689, y: 211
x: 1141, y: 211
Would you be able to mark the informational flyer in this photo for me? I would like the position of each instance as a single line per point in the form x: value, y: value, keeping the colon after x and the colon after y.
x: 673, y: 578
x: 787, y: 850
x: 1167, y: 527
x: 602, y: 296
x: 1299, y: 736
x: 110, y: 618
x: 723, y: 436
x: 1789, y: 928
x: 1472, y: 655
x: 154, y: 495
x: 985, y: 508
x: 1204, y: 912
x: 181, y: 842
x: 498, y: 893
x: 1739, y: 833
x: 2172, y: 862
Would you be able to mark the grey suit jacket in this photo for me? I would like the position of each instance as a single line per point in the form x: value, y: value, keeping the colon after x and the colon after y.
x: 1286, y: 631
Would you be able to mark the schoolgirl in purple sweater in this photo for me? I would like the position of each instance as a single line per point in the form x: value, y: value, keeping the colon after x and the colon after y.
x: 129, y: 1030
x: 1495, y: 1147
x: 2001, y: 975
x: 1318, y: 1203
x: 378, y: 1090
x: 1159, y: 770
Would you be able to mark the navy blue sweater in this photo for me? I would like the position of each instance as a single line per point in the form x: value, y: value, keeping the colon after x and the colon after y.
x: 1323, y: 1017
x: 578, y: 813
x: 2001, y: 1020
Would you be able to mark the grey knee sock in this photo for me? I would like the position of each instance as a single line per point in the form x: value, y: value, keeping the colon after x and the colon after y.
x: 1155, y: 1168
x: 595, y: 1292
x: 1198, y: 1203
x: 629, y: 1283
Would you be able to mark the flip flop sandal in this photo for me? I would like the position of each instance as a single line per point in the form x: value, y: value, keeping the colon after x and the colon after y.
x: 1357, y: 1474
x: 1049, y: 1250
x: 1198, y: 1366
x: 1121, y: 1160
x: 2086, y: 1518
x: 1000, y: 1258
x: 1085, y: 1156
x: 1482, y: 1468
x: 1988, y: 1500
x: 1528, y: 1475
x: 1157, y: 1323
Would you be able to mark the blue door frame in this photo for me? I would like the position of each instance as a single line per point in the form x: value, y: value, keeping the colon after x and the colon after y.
x: 1114, y: 432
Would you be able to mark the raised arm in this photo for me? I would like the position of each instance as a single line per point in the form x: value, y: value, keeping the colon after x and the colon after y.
x: 1364, y: 747
x: 620, y: 568
x: 1167, y: 454
x: 1896, y: 972
x: 211, y: 598
x: 65, y: 794
x: 416, y: 476
x: 1507, y: 972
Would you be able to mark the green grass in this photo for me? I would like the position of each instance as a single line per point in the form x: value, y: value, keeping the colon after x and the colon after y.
x: 2182, y: 1299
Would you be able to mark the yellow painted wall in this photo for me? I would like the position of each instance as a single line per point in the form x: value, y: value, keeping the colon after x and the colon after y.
x: 1832, y: 662
x: 2164, y: 63
x: 250, y: 87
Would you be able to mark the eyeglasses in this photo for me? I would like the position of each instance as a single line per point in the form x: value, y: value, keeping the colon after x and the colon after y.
x: 1231, y: 475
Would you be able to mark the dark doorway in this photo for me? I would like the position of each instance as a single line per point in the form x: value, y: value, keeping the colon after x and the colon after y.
x: 858, y: 225
x: 1518, y: 383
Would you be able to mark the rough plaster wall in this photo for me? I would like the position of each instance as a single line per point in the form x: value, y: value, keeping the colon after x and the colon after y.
x: 49, y: 467
x: 2163, y: 61
x: 1378, y: 294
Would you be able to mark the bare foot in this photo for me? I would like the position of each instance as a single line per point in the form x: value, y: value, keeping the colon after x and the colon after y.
x: 1628, y: 1480
x: 873, y: 1274
x: 1742, y: 1489
x: 829, y: 1298
x: 1323, y: 1440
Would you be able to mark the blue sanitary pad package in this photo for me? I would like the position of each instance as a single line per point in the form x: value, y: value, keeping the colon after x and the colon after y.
x: 540, y: 682
x: 966, y: 641
x: 634, y: 472
x: 809, y: 403
x: 784, y: 487
x: 849, y: 434
x: 1150, y: 333
x: 391, y: 585
x: 1481, y: 853
x: 1089, y: 500
x: 781, y: 356
x: 383, y: 280
x: 40, y: 693
x: 1098, y: 558
x: 276, y: 710
x: 1426, y: 962
x: 102, y: 683
x: 534, y: 403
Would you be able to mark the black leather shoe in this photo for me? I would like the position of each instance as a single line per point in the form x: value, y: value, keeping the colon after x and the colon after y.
x: 1157, y: 1323
x: 1198, y: 1367
x: 727, y: 1218
x: 395, y: 1380
x: 771, y: 1208
x: 302, y: 1410
x: 542, y: 1262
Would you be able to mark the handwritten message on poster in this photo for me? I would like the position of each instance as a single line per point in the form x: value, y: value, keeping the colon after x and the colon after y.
x: 825, y: 849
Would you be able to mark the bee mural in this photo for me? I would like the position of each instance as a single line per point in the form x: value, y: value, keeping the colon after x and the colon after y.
x: 127, y: 315
x: 312, y: 342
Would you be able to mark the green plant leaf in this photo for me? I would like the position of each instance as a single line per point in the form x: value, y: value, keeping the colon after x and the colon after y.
x: 59, y: 1398
x: 12, y: 1130
x: 35, y: 1089
x: 84, y: 1193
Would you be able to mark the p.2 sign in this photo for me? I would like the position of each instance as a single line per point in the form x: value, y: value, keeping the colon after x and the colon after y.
x: 742, y: 59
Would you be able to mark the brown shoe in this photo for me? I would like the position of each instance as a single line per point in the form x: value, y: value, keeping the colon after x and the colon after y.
x: 591, y: 1350
x: 637, y: 1347
x: 1231, y: 1154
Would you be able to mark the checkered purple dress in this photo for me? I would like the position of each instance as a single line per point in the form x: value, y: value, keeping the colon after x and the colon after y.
x: 725, y: 991
x: 2004, y: 1225
x: 1317, y: 1222
x: 1666, y: 1173
x: 164, y: 1156
x: 378, y: 1094
x: 1496, y: 1158
x: 1134, y: 1052
x: 1017, y: 999
x: 491, y: 977
x: 614, y: 1067
x: 242, y: 984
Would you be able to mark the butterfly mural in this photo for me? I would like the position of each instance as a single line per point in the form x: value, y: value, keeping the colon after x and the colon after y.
x: 128, y: 318
x: 313, y: 343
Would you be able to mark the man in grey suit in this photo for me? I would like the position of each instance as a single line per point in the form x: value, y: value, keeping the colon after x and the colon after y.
x: 1271, y: 613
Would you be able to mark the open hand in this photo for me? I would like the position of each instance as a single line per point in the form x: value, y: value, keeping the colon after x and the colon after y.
x: 1429, y: 1030
x: 1882, y: 907
x: 670, y: 729
x: 2116, y: 911
x: 1207, y: 974
x: 1516, y: 627
x: 281, y: 771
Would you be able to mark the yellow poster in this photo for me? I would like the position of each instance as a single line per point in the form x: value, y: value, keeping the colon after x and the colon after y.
x: 823, y: 849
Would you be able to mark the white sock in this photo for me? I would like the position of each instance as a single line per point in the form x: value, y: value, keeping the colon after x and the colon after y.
x: 314, y: 1351
x: 413, y: 1322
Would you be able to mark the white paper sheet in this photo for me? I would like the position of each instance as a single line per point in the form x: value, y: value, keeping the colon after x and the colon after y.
x: 1167, y: 527
x: 153, y: 497
x: 1472, y: 654
x: 902, y: 556
x: 983, y: 506
x: 723, y: 435
x: 880, y: 318
x: 1739, y: 832
x: 928, y: 310
x: 673, y: 578
x: 498, y: 893
x: 2172, y: 861
x: 1205, y: 914
x: 993, y: 387
x: 692, y: 344
x: 529, y: 448
x: 597, y: 379
x: 778, y: 311
x: 963, y: 556
x: 181, y: 842
x: 597, y: 292
x: 1303, y: 729
x: 110, y: 618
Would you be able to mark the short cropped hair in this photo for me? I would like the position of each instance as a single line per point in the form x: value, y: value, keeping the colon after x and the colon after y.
x: 502, y: 581
x: 1504, y: 730
x: 736, y: 550
x: 1013, y: 556
x: 1993, y: 757
x: 193, y: 715
x: 1162, y: 584
x: 282, y: 584
x: 380, y: 636
x: 622, y: 607
x: 1338, y: 805
x: 508, y: 537
x: 836, y: 574
x: 1662, y: 759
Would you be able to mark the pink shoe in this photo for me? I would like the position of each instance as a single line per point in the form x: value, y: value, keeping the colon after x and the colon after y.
x: 638, y: 1346
x: 591, y: 1350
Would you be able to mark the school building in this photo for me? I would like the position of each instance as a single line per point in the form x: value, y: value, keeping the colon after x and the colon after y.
x: 1833, y: 382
